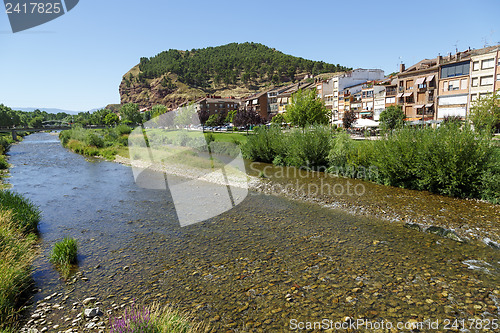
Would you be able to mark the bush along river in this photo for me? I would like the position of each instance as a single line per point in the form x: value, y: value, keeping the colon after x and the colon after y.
x: 270, y: 264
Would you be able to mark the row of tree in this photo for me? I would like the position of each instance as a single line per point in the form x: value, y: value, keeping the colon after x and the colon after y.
x: 229, y: 64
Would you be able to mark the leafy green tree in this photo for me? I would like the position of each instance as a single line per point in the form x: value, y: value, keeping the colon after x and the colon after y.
x: 185, y: 116
x: 306, y: 109
x: 278, y: 119
x: 111, y: 119
x: 391, y: 118
x: 130, y: 113
x: 213, y: 120
x: 485, y: 112
x: 157, y: 110
x: 230, y: 116
x: 36, y: 122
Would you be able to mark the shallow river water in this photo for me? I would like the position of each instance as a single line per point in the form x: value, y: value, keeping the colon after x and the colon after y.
x: 268, y: 265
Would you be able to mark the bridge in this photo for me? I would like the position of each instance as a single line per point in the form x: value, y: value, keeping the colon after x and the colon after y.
x: 49, y: 127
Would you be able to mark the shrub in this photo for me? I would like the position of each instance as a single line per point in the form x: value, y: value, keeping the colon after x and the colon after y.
x: 64, y: 254
x: 309, y: 148
x: 3, y: 163
x: 123, y: 129
x: 448, y: 160
x: 265, y: 144
x: 25, y: 214
x: 93, y: 139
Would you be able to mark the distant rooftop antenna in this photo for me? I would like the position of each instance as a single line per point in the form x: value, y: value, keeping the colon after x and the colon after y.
x: 456, y: 46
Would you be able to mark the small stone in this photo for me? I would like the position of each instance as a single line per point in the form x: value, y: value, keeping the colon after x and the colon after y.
x: 88, y: 300
x: 91, y: 313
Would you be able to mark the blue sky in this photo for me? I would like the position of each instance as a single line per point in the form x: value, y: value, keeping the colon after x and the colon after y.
x: 76, y: 61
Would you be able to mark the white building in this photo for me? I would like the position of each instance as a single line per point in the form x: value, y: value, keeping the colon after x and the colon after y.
x: 482, y: 74
x: 351, y: 78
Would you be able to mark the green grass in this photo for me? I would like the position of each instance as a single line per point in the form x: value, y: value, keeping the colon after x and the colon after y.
x: 64, y: 255
x: 25, y: 214
x: 18, y: 225
x: 154, y: 319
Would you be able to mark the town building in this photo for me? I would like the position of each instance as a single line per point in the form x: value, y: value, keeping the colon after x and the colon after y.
x: 272, y: 100
x: 284, y: 96
x: 453, y: 86
x: 417, y: 93
x: 484, y: 64
x: 217, y: 104
x: 340, y: 82
x: 257, y: 103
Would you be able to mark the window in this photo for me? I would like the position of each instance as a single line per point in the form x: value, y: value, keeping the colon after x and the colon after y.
x: 454, y: 85
x: 455, y: 70
x: 473, y: 97
x: 474, y: 81
x: 488, y: 63
x: 463, y: 84
x: 498, y: 77
x: 486, y: 80
x: 475, y: 66
x: 483, y: 95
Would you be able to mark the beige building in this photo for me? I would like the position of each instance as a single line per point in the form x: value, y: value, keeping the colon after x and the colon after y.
x: 417, y: 93
x: 453, y: 87
x: 484, y: 63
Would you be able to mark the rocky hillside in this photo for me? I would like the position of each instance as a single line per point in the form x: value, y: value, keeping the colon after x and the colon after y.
x: 173, y: 77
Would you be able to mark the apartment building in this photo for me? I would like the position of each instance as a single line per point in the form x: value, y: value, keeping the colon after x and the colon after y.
x: 324, y: 90
x: 484, y: 63
x: 217, y: 104
x: 453, y: 86
x: 350, y: 99
x: 272, y: 100
x: 369, y: 91
x: 340, y: 82
x: 497, y: 72
x: 257, y: 103
x: 417, y: 93
x: 284, y: 97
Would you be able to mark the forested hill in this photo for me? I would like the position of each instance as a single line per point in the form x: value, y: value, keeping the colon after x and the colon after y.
x: 174, y: 76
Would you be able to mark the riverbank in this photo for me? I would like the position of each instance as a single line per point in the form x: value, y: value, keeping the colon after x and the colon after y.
x: 18, y: 237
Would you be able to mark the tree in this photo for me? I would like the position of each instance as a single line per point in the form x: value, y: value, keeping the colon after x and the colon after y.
x: 392, y: 117
x: 306, y: 109
x: 130, y: 113
x: 230, y: 116
x: 185, y: 116
x: 278, y: 119
x: 485, y: 112
x: 348, y: 119
x: 111, y: 119
x: 212, y: 121
x: 36, y: 122
x: 247, y: 118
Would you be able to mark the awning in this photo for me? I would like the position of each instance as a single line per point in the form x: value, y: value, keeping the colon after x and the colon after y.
x: 420, y: 81
x: 429, y: 105
x: 399, y: 95
x: 418, y: 106
x: 407, y: 94
x: 366, y: 112
x: 430, y: 78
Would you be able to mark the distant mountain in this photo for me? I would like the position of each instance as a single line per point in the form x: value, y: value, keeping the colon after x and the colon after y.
x: 51, y: 110
x: 173, y: 77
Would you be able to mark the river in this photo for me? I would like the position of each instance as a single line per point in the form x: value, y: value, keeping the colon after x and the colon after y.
x: 267, y: 265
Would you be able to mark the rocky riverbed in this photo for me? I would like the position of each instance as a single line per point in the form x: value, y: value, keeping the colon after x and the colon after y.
x: 259, y: 267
